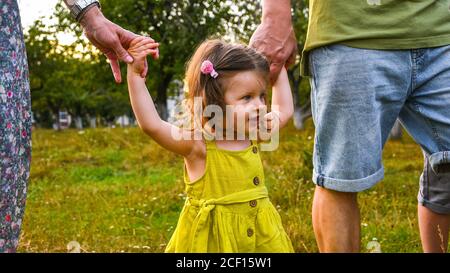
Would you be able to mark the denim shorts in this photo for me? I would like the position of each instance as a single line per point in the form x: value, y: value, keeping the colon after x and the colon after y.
x: 358, y: 94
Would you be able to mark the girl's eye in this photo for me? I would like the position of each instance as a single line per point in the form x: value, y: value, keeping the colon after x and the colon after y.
x: 247, y: 97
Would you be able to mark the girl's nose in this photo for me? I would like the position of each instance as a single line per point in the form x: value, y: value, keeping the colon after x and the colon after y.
x: 258, y: 103
x: 258, y: 108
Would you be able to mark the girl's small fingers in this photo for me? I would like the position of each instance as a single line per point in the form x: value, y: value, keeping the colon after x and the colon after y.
x: 149, y: 39
x: 276, y: 114
x: 156, y: 56
x: 151, y: 52
x: 137, y: 41
x: 144, y: 40
x: 272, y: 116
x: 140, y: 44
x: 268, y: 117
x: 147, y: 46
x: 150, y: 45
x: 153, y: 45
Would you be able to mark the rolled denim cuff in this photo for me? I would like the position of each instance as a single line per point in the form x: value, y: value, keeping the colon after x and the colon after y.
x: 440, y: 162
x: 344, y: 185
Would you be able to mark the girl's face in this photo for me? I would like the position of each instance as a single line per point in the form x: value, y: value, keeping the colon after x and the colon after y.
x: 244, y: 97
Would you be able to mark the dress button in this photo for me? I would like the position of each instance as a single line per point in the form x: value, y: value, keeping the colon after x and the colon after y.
x: 256, y: 181
x: 255, y: 150
x: 249, y: 232
x: 253, y: 203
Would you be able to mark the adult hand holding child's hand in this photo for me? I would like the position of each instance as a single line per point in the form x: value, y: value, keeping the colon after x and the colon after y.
x: 139, y: 48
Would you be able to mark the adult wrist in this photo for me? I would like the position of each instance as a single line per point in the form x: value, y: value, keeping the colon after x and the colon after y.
x: 276, y: 20
x: 78, y: 8
x: 277, y: 13
x: 90, y: 15
x: 91, y: 10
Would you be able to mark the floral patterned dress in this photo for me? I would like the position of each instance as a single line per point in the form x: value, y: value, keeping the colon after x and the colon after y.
x: 15, y: 125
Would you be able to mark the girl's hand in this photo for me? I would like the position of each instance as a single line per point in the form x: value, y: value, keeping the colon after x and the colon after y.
x: 270, y: 125
x: 139, y: 48
x: 282, y: 101
x: 272, y: 121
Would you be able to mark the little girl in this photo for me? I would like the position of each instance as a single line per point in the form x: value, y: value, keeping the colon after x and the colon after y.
x: 227, y: 207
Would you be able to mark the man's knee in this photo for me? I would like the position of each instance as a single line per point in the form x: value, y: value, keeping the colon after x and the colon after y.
x: 324, y: 192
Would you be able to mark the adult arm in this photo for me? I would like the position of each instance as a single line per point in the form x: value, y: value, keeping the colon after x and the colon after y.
x: 108, y: 37
x: 275, y: 36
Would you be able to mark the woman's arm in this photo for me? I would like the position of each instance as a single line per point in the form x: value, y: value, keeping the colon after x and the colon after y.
x: 164, y: 133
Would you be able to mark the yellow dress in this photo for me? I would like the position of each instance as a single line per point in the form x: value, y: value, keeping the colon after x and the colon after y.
x: 228, y: 209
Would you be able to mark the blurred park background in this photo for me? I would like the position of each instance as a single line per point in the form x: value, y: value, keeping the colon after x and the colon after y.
x: 98, y: 184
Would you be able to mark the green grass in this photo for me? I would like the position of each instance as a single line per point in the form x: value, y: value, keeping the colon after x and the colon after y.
x: 116, y: 190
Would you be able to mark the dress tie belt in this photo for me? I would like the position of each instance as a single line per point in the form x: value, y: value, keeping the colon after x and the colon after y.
x: 200, y: 226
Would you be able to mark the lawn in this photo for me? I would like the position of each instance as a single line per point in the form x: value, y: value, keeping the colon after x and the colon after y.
x: 116, y: 190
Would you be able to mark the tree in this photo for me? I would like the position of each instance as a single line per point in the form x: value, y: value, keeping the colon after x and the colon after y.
x: 70, y: 78
x: 179, y: 26
x: 46, y: 68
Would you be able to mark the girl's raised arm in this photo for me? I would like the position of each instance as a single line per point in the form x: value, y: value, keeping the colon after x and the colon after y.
x: 164, y: 133
x: 282, y: 102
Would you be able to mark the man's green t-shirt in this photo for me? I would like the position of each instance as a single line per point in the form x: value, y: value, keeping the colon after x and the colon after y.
x: 377, y: 24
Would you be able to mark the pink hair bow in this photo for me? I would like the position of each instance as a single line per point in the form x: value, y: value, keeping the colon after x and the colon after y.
x: 208, y: 68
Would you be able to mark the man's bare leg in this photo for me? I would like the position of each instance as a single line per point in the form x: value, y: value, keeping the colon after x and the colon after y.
x: 336, y: 221
x: 434, y: 229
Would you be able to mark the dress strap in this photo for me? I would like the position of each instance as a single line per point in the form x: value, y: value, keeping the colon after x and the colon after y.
x: 210, y: 144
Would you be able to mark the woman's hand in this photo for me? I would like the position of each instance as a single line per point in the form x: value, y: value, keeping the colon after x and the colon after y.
x: 139, y: 48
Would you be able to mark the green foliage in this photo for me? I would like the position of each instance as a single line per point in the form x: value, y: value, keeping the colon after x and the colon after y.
x: 179, y: 26
x: 77, y: 77
x: 61, y: 78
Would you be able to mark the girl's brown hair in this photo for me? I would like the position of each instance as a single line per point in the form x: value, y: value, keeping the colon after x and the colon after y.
x: 228, y: 59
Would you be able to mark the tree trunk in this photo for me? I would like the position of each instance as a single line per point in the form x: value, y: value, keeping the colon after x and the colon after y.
x: 55, y: 112
x: 161, y: 98
x: 56, y: 121
x: 79, y: 123
x: 92, y: 122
